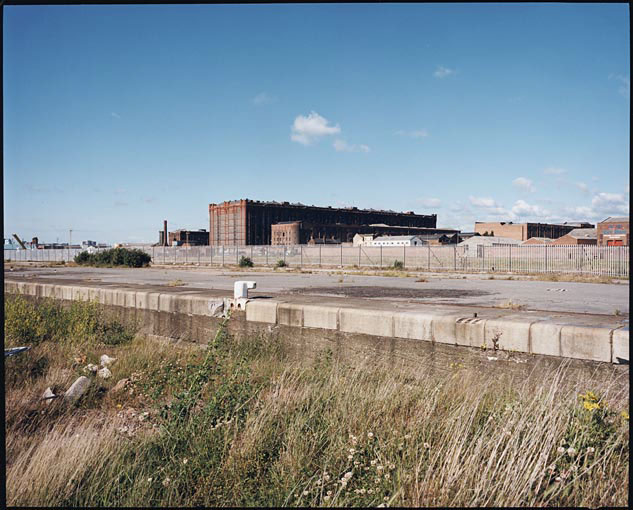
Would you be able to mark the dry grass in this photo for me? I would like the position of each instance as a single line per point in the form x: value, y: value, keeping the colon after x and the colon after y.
x: 263, y: 431
x: 176, y: 283
x: 510, y: 305
x: 570, y: 277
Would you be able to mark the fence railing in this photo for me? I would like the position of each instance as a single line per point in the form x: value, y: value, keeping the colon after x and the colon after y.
x: 594, y: 260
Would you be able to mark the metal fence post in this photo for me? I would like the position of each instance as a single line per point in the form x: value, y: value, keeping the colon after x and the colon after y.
x: 186, y: 250
x: 454, y: 257
x: 237, y: 253
x: 381, y: 256
x: 319, y: 255
x: 341, y: 255
x: 546, y: 250
x: 284, y: 253
x: 222, y: 255
x: 300, y: 255
x: 428, y: 256
x: 404, y: 256
x: 198, y: 255
x: 510, y: 257
x: 266, y: 255
x: 358, y: 255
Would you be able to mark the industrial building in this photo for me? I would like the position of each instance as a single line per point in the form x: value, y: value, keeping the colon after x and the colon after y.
x: 614, y: 231
x: 524, y: 231
x: 244, y: 222
x: 577, y: 237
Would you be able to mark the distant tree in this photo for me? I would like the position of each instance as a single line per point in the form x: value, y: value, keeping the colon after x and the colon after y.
x: 492, y: 233
x: 485, y: 233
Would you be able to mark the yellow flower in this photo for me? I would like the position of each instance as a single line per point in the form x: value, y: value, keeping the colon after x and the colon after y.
x: 590, y: 406
x: 624, y: 415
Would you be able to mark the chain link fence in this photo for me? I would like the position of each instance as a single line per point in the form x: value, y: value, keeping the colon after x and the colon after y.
x: 588, y: 260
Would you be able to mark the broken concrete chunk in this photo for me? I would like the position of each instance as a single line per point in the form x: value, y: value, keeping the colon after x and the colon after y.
x: 48, y: 395
x: 120, y: 385
x: 104, y: 372
x: 78, y: 388
x: 91, y: 368
x: 106, y: 360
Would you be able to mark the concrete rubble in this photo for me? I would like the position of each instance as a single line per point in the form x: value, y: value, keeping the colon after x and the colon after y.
x: 104, y: 373
x: 78, y: 388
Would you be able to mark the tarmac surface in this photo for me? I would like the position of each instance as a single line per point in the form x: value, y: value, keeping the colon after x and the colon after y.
x: 428, y: 291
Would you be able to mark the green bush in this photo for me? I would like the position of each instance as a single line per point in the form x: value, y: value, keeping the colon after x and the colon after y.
x: 398, y: 265
x: 114, y: 257
x: 246, y: 262
x: 281, y: 263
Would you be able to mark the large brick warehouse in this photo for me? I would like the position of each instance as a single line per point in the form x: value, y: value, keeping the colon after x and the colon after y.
x: 244, y: 222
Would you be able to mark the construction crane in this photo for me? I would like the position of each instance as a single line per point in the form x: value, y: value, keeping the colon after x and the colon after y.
x: 19, y: 241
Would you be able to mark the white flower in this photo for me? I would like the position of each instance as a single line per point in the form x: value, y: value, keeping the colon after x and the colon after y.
x: 150, y: 479
x: 591, y: 449
x: 362, y: 491
x: 326, y: 477
x: 370, y: 435
x: 373, y: 462
x: 385, y: 499
x: 392, y: 466
x: 352, y: 451
x: 326, y: 498
x: 356, y: 463
x: 407, y: 436
x: 370, y: 491
x: 560, y: 449
x: 387, y: 476
x: 350, y: 457
x: 166, y: 481
x: 571, y: 451
x: 380, y: 468
x: 344, y: 483
x: 184, y: 461
x: 329, y: 493
x: 318, y: 482
x: 305, y: 493
x: 348, y: 475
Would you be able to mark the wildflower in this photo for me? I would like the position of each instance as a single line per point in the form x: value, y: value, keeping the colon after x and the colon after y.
x: 150, y: 479
x: 305, y: 493
x: 356, y: 491
x: 356, y: 463
x: 392, y: 466
x: 329, y: 493
x: 377, y: 480
x: 119, y: 406
x: 380, y: 468
x: 407, y: 436
x: 344, y: 483
x: 362, y: 491
x: 166, y: 481
x: 352, y: 451
x: 591, y: 406
x: 326, y: 477
x: 370, y: 435
x: 326, y: 498
x: 427, y: 445
x: 559, y: 479
x: 560, y: 449
x: 385, y: 499
x: 387, y: 476
x: 350, y: 457
x: 624, y: 415
x: 370, y: 491
x: 373, y: 462
x: 590, y: 450
x: 571, y: 451
x: 184, y: 461
x: 348, y: 475
x: 318, y: 482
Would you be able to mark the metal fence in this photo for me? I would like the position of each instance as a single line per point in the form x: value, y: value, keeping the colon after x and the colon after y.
x: 594, y: 260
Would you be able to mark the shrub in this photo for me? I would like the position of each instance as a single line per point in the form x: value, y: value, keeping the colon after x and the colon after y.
x: 281, y: 263
x: 114, y: 257
x: 398, y: 265
x: 246, y: 262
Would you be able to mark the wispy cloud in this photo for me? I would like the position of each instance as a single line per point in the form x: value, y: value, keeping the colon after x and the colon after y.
x: 483, y: 202
x: 263, y: 98
x: 420, y: 133
x: 625, y: 84
x: 582, y: 187
x: 443, y: 72
x: 430, y: 202
x: 554, y: 171
x: 522, y: 209
x: 308, y: 129
x: 343, y: 146
x: 115, y: 115
x: 524, y: 184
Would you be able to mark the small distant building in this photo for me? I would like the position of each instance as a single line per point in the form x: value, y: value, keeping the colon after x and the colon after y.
x: 524, y: 231
x: 614, y: 231
x: 538, y: 240
x: 397, y: 241
x: 85, y: 244
x: 363, y: 239
x: 286, y: 233
x: 474, y: 246
x: 186, y: 238
x: 325, y: 240
x: 577, y: 237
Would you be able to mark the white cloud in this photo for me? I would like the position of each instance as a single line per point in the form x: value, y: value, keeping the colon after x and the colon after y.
x: 524, y: 184
x: 610, y: 203
x: 420, y: 133
x: 263, y: 98
x: 343, y: 146
x: 521, y: 209
x: 554, y: 171
x: 625, y: 84
x: 430, y: 202
x: 488, y: 203
x: 306, y: 130
x: 582, y: 187
x: 443, y: 72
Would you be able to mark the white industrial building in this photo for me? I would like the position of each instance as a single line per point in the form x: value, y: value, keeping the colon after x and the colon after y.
x: 473, y: 246
x: 396, y: 241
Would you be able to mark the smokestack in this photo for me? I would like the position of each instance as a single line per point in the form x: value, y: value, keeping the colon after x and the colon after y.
x: 165, y: 243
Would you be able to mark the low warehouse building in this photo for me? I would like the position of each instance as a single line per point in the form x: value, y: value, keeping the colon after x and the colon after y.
x: 577, y: 237
x: 538, y: 240
x: 614, y: 231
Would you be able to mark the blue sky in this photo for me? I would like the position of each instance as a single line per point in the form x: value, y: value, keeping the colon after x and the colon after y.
x: 117, y: 117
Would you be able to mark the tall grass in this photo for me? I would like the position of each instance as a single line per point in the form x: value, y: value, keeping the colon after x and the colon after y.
x: 239, y: 424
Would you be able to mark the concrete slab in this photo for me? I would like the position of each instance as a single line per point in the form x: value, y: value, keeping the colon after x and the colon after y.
x: 323, y: 317
x: 586, y: 343
x: 261, y: 311
x: 367, y: 322
x: 511, y: 335
x: 621, y: 345
x: 416, y: 326
x: 444, y: 329
x: 545, y: 338
x: 290, y: 315
x: 470, y: 331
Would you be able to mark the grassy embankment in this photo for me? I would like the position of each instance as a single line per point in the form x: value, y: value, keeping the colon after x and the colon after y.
x: 236, y: 424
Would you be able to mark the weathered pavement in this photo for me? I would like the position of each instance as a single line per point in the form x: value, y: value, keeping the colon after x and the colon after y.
x: 590, y: 336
